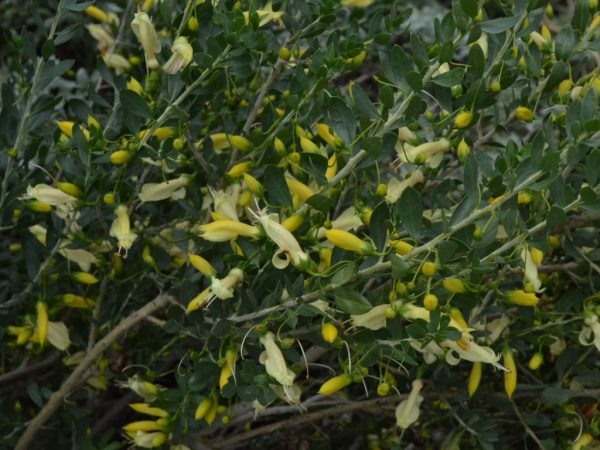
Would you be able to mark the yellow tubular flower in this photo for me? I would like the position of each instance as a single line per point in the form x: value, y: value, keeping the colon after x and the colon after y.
x: 227, y: 369
x: 203, y: 408
x: 463, y: 119
x: 308, y: 146
x: 474, y: 378
x: 202, y: 265
x: 85, y: 278
x: 407, y: 412
x: 135, y: 86
x: 211, y: 415
x: 77, y: 301
x: 329, y: 332
x: 510, y: 377
x: 348, y: 241
x: 325, y: 134
x: 356, y: 3
x: 240, y: 142
x: 520, y: 297
x: 66, y: 128
x: 22, y: 333
x: 143, y: 425
x: 145, y: 408
x: 454, y: 285
x: 332, y: 167
x: 299, y: 189
x: 227, y: 230
x: 121, y: 230
x: 96, y: 13
x: 199, y: 301
x: 335, y: 384
x: 172, y: 189
x: 42, y: 322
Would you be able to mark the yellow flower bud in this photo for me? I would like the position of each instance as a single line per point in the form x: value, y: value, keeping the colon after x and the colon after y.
x: 240, y: 142
x: 39, y: 206
x: 454, y: 285
x: 510, y: 377
x: 524, y: 198
x: 308, y: 145
x: 202, y: 265
x: 429, y: 269
x: 85, y: 278
x: 108, y: 199
x: 495, y: 87
x: 96, y: 13
x: 402, y: 247
x: 463, y: 119
x: 279, y: 146
x: 253, y: 184
x: 226, y: 373
x: 457, y: 317
x: 381, y: 189
x: 332, y: 167
x: 135, y: 86
x: 77, y: 301
x: 523, y: 113
x: 383, y: 389
x: 42, y: 322
x: 348, y: 241
x: 203, y: 408
x: 145, y: 408
x: 565, y: 87
x: 554, y: 241
x: 240, y: 169
x: 298, y: 188
x: 329, y: 332
x: 193, y: 24
x: 335, y: 384
x: 284, y: 53
x: 66, y: 128
x: 536, y: 361
x: 143, y: 425
x: 474, y: 378
x: 520, y: 297
x: 69, y: 188
x: 293, y: 222
x: 120, y: 157
x: 430, y: 302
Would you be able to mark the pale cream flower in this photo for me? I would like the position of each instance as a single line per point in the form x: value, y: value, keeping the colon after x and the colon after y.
x: 407, y: 412
x: 100, y: 34
x: 49, y: 195
x: 348, y: 220
x: 287, y: 243
x: 356, y: 3
x: 395, y: 187
x: 531, y: 271
x: 219, y: 288
x: 182, y: 53
x: 144, y: 389
x: 430, y: 153
x: 431, y: 352
x: 274, y: 362
x: 265, y: 15
x: 172, y: 189
x: 117, y: 62
x: 58, y: 335
x: 146, y: 34
x: 590, y: 333
x: 373, y: 320
x: 225, y: 201
x: 121, y: 230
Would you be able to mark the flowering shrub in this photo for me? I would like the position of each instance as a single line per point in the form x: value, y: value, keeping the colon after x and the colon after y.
x: 307, y: 224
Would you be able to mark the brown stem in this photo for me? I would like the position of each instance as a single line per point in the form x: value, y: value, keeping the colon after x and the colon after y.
x: 26, y: 370
x: 81, y: 373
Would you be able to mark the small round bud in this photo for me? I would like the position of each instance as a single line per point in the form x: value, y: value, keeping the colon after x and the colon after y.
x: 178, y: 143
x: 429, y: 269
x: 389, y: 313
x: 495, y: 87
x: 284, y: 53
x: 109, y: 199
x: 383, y: 389
x: 456, y: 90
x: 430, y: 302
x: 381, y: 190
x: 329, y: 332
x: 193, y: 24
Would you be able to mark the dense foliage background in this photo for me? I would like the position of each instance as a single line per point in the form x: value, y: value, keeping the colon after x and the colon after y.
x: 304, y: 224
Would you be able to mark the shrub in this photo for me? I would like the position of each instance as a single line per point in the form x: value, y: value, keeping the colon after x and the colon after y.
x: 300, y: 224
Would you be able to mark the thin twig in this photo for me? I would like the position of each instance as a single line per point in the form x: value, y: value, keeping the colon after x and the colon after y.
x: 81, y: 373
x: 22, y: 372
x: 97, y: 313
x: 527, y: 428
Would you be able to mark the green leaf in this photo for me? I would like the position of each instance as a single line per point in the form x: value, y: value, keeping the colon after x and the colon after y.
x: 449, y: 78
x: 363, y: 103
x: 316, y: 165
x: 341, y: 119
x: 592, y: 167
x: 410, y: 211
x: 565, y: 42
x: 379, y: 225
x: 350, y: 301
x: 134, y: 104
x: 470, y: 7
x: 553, y: 396
x: 476, y: 60
x: 414, y: 80
x: 556, y: 216
x: 500, y: 25
x: 320, y: 202
x: 417, y: 330
x: 276, y: 188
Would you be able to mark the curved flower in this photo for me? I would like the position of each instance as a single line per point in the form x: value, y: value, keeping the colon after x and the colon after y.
x: 287, y: 243
x: 373, y: 320
x: 226, y: 230
x: 182, y: 53
x: 348, y: 220
x: 590, y: 333
x: 121, y: 230
x: 395, y: 187
x: 219, y: 288
x: 407, y: 412
x: 172, y: 189
x: 430, y: 153
x: 145, y: 33
x: 48, y: 194
x: 274, y: 362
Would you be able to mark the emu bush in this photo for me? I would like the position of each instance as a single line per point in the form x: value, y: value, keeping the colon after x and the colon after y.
x: 307, y: 224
